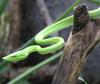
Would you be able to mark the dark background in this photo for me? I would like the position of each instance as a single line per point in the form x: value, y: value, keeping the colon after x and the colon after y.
x: 27, y: 19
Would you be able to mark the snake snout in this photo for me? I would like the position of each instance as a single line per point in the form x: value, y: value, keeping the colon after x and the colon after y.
x: 17, y: 56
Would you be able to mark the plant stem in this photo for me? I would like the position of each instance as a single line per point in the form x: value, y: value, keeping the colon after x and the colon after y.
x: 66, y: 13
x: 95, y: 1
x: 35, y: 68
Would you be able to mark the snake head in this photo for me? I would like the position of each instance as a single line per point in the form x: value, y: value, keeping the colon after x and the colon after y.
x: 17, y: 56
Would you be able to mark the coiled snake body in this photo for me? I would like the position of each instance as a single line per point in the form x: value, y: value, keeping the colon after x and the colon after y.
x: 53, y: 44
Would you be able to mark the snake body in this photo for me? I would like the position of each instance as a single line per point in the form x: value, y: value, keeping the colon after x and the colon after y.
x: 52, y: 44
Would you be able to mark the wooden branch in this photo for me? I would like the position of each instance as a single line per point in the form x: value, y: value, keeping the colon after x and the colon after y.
x: 83, y: 38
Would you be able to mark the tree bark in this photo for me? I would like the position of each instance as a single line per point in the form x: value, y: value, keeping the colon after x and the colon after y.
x: 83, y: 38
x: 10, y: 29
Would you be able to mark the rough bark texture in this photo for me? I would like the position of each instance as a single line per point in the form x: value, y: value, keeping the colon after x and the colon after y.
x: 83, y: 38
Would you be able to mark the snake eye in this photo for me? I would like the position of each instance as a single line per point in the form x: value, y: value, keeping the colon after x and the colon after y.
x: 17, y: 56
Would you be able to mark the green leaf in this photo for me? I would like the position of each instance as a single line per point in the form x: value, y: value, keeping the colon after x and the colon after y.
x: 80, y: 78
x: 95, y: 1
x: 34, y: 69
x: 22, y: 82
x: 68, y: 11
x: 3, y: 4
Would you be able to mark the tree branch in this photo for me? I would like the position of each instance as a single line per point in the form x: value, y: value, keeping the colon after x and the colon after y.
x: 82, y: 40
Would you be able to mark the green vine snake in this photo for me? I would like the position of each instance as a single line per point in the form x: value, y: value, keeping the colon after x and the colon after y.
x: 52, y: 44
